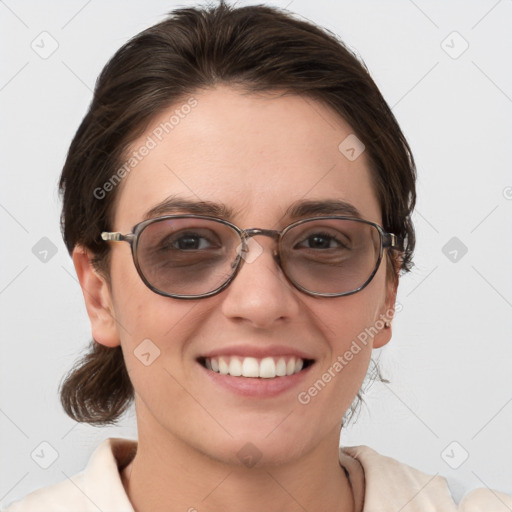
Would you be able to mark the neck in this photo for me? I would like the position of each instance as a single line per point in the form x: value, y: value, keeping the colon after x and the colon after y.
x: 167, y: 474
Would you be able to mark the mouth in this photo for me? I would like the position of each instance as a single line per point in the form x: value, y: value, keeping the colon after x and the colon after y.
x: 256, y: 368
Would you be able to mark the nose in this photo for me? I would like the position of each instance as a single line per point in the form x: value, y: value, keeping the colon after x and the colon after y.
x: 260, y: 294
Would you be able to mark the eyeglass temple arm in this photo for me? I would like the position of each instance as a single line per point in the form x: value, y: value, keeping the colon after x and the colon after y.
x: 393, y: 241
x: 116, y: 237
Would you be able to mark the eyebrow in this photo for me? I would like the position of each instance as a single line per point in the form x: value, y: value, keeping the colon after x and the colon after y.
x: 298, y: 209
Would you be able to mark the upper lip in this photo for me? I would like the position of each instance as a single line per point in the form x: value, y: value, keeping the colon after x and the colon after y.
x: 257, y: 351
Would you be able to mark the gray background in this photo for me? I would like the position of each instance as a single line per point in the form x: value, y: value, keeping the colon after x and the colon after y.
x: 449, y: 362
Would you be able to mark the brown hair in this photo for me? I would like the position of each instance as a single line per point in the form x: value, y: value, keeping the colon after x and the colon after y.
x: 257, y: 48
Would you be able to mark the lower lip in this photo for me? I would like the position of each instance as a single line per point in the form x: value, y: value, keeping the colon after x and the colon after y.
x: 256, y: 386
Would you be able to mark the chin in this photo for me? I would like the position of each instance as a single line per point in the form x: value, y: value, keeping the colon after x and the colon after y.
x: 257, y: 446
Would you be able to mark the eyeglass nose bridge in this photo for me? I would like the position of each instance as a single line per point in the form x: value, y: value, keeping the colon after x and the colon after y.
x: 251, y: 232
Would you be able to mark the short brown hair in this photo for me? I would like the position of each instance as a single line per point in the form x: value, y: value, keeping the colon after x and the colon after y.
x: 257, y: 48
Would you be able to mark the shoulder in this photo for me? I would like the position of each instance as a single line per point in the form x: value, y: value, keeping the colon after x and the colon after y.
x: 392, y: 485
x: 97, y: 487
x: 56, y: 498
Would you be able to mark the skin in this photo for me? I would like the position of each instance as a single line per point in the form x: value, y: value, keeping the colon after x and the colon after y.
x: 257, y: 154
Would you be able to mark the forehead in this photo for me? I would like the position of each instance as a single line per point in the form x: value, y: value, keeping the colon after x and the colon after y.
x: 255, y: 154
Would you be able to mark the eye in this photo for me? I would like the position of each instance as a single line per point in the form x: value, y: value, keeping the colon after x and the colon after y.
x: 192, y: 241
x: 187, y: 241
x: 321, y: 240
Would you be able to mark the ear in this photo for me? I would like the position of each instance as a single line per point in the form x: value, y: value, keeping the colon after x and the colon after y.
x: 386, y: 313
x: 98, y: 299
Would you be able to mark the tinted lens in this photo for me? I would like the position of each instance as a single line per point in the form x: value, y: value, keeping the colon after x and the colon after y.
x: 187, y: 256
x: 332, y: 255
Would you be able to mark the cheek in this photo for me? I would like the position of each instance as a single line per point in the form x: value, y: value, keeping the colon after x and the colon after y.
x: 145, y: 320
x: 347, y: 319
x: 154, y: 335
x: 349, y: 325
x: 155, y: 331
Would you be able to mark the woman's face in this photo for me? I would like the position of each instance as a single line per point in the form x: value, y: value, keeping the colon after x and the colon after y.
x: 257, y: 155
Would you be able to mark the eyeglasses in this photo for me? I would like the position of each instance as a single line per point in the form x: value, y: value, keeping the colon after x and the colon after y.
x: 193, y: 256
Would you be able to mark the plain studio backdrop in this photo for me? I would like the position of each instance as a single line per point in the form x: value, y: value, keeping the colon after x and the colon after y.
x: 444, y: 68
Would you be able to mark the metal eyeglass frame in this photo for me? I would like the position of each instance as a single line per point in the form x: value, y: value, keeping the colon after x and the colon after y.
x: 387, y: 240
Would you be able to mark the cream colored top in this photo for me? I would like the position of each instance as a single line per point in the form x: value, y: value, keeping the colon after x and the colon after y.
x: 381, y: 483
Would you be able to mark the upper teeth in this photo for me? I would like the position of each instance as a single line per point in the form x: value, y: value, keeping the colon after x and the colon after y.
x: 266, y: 368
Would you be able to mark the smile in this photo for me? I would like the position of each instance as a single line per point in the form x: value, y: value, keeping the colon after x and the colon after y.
x: 251, y: 367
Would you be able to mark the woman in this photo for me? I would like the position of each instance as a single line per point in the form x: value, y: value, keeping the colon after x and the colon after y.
x: 237, y: 204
